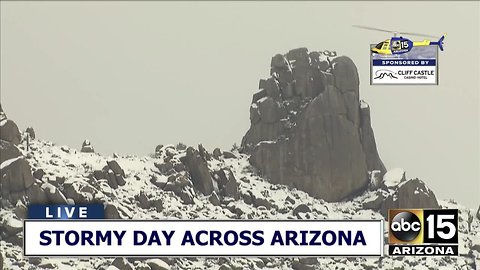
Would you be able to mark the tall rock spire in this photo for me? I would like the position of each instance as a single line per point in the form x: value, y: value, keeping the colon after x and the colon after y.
x: 308, y: 129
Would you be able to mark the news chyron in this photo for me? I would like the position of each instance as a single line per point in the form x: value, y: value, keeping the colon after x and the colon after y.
x: 83, y: 230
x: 423, y: 232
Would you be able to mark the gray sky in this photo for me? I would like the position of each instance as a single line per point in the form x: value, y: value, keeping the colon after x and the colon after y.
x: 130, y: 75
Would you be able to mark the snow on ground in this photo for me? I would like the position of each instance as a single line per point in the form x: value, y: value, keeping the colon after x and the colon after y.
x: 278, y: 202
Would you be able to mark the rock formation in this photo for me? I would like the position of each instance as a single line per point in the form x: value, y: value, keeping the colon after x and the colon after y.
x: 196, y: 163
x: 308, y: 129
x: 16, y: 175
x: 31, y: 132
x: 87, y: 147
x: 8, y: 129
x: 410, y: 194
x: 113, y: 173
x: 16, y: 178
x: 395, y: 191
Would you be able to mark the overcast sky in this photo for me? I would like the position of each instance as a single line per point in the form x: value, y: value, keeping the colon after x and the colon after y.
x: 131, y: 75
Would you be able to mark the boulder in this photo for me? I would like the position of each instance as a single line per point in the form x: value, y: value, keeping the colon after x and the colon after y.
x: 113, y: 173
x: 31, y: 132
x: 157, y: 264
x: 111, y: 211
x: 165, y: 167
x: 214, y: 199
x: 221, y: 177
x: 228, y: 154
x: 158, y: 148
x: 260, y: 201
x: 8, y: 129
x: 9, y: 132
x: 38, y: 174
x: 181, y: 146
x: 54, y: 195
x: 21, y: 210
x: 227, y: 183
x: 296, y: 265
x: 112, y: 180
x: 113, y: 165
x: 12, y: 225
x: 413, y: 193
x: 158, y: 204
x: 143, y: 200
x: 478, y: 213
x: 198, y: 169
x: 186, y: 195
x: 308, y: 260
x: 203, y: 152
x: 87, y: 147
x: 15, y: 178
x: 217, y: 153
x: 99, y: 174
x: 179, y: 167
x: 122, y: 264
x: 120, y: 180
x: 80, y: 191
x: 301, y: 208
x: 8, y: 150
x: 160, y: 181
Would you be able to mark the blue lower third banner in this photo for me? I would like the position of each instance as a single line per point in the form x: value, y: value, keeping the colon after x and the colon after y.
x: 60, y: 211
x: 203, y: 238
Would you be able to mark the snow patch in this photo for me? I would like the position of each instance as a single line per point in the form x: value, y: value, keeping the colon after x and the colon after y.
x: 393, y: 177
x: 7, y: 162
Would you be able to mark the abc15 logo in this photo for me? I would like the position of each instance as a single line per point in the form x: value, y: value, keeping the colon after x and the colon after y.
x: 423, y: 226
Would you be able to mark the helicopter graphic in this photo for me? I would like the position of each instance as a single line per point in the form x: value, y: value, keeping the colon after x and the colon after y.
x: 400, y: 45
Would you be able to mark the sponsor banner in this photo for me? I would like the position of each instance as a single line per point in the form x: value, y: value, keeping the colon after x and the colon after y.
x: 404, y: 74
x: 203, y: 238
x: 418, y: 66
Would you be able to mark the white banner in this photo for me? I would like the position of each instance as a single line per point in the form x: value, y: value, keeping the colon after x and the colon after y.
x: 404, y: 75
x: 203, y: 238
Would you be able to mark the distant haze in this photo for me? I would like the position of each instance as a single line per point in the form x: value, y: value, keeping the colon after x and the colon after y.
x: 131, y: 75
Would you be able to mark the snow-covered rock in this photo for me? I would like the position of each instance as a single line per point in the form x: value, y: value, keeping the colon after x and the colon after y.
x: 393, y: 177
x: 310, y: 112
x: 87, y: 147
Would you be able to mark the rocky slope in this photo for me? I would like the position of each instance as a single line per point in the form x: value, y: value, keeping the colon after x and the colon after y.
x: 161, y: 187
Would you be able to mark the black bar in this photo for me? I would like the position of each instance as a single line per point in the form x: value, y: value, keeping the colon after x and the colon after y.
x: 423, y: 250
